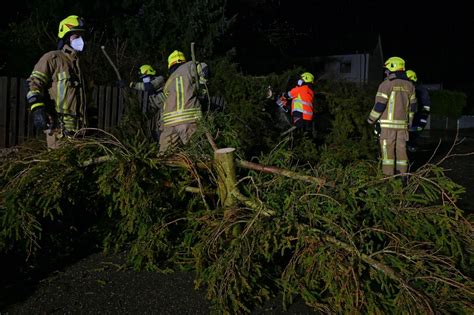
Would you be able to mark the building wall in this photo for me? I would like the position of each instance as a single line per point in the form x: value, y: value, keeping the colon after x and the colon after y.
x: 351, y: 68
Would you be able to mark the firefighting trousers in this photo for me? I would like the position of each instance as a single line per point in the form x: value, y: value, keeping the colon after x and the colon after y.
x: 394, y: 151
x: 300, y: 123
x: 173, y: 136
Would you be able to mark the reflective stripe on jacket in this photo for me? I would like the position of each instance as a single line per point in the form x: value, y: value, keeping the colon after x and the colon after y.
x: 302, y: 101
x: 181, y: 105
x: 395, y: 103
x: 59, y: 73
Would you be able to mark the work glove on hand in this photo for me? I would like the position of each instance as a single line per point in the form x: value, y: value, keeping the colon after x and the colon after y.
x: 40, y: 117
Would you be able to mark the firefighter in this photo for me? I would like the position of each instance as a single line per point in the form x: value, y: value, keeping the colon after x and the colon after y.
x: 422, y: 113
x: 56, y: 93
x: 395, y: 105
x: 153, y: 85
x: 182, y: 107
x: 302, y: 97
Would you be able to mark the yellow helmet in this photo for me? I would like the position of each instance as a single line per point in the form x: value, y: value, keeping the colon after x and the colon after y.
x: 147, y: 70
x: 412, y: 75
x: 395, y: 64
x: 307, y: 77
x: 175, y: 57
x: 72, y: 23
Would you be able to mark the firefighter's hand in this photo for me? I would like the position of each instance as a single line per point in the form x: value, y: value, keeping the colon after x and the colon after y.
x: 40, y: 117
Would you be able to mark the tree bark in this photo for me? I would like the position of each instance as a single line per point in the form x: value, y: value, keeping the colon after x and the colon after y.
x: 227, y: 182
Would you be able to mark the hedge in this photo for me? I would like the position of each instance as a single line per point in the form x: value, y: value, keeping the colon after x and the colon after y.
x: 447, y: 103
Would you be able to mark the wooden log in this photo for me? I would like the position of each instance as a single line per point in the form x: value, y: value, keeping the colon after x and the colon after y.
x: 175, y: 161
x: 225, y: 169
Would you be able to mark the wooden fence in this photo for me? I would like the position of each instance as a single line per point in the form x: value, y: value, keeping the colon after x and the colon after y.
x: 104, y: 110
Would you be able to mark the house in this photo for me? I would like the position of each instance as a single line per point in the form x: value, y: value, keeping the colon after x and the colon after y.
x: 362, y: 68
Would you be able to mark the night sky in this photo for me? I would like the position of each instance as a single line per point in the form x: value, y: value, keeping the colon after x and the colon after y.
x: 435, y: 39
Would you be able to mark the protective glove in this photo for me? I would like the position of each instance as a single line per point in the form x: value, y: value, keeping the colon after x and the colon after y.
x: 40, y: 117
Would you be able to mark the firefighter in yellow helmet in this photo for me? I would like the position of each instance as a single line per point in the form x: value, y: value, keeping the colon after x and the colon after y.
x: 182, y: 107
x: 395, y: 105
x: 56, y: 93
x: 422, y: 112
x: 153, y: 84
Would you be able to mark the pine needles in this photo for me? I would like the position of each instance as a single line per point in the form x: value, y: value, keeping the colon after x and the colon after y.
x: 364, y: 244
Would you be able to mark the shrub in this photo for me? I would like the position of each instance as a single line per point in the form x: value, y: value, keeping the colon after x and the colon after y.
x: 447, y: 103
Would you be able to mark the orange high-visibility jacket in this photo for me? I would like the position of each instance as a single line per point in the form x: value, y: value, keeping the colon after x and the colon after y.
x: 302, y: 101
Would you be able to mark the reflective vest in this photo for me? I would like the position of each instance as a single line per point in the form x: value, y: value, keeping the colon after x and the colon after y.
x: 302, y: 101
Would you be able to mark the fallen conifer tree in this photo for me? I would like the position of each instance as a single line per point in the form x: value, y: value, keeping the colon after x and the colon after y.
x: 364, y: 244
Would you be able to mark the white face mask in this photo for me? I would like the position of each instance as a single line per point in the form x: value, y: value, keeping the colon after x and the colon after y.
x: 77, y: 44
x: 300, y: 82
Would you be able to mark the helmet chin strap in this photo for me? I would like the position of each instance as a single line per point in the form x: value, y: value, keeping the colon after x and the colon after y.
x: 61, y: 44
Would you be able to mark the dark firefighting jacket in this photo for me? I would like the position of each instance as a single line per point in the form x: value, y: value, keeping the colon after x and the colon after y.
x: 424, y: 105
x: 182, y: 104
x: 57, y: 81
x: 395, y: 102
